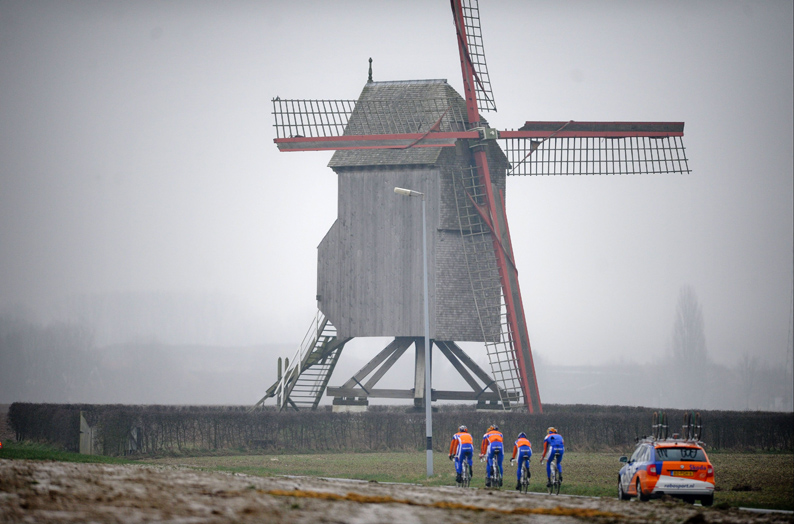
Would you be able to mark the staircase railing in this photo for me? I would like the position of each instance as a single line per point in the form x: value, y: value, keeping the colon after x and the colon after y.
x: 319, y: 350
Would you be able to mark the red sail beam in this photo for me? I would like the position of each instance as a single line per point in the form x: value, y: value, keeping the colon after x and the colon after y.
x: 596, y: 129
x: 447, y: 139
x: 508, y: 276
x: 386, y: 141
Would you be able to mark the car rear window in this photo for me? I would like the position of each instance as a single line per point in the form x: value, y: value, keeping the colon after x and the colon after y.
x: 680, y: 454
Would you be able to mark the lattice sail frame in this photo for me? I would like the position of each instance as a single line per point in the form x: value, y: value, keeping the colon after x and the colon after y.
x: 330, y: 118
x: 486, y: 285
x: 596, y: 148
x: 470, y: 13
x: 596, y: 156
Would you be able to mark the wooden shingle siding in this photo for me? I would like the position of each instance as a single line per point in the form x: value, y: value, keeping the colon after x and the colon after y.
x: 369, y: 271
x: 370, y: 262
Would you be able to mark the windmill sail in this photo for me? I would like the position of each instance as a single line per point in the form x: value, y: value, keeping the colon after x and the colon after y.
x: 307, y: 125
x: 468, y: 17
x: 477, y: 93
x: 596, y: 148
x: 486, y: 284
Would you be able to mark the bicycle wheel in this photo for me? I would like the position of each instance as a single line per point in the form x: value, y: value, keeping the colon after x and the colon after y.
x: 698, y: 422
x: 686, y: 428
x: 524, y: 478
x: 497, y: 474
x: 557, y: 483
x: 552, y: 478
x: 655, y: 426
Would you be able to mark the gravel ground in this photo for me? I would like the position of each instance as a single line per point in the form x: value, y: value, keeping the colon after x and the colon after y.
x: 61, y: 492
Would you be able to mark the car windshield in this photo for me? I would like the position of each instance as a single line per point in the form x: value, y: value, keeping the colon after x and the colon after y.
x: 680, y: 454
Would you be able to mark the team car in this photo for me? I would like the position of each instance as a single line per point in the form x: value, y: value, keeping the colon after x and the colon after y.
x: 678, y: 467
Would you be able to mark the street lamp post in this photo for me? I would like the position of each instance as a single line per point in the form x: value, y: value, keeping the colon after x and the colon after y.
x: 428, y: 389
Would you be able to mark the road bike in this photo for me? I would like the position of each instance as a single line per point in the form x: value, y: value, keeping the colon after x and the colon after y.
x: 692, y: 429
x: 523, y: 480
x: 465, y: 473
x: 496, y: 474
x: 556, y: 478
x: 660, y: 425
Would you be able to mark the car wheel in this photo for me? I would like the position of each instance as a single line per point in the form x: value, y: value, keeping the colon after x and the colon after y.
x: 640, y: 495
x: 707, y: 501
x: 622, y: 494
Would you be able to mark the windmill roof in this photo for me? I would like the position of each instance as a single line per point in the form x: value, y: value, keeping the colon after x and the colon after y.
x: 409, y: 106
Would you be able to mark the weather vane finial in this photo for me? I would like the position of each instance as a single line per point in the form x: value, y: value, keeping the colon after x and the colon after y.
x: 369, y: 80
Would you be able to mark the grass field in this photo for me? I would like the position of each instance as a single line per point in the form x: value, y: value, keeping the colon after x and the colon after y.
x: 748, y: 480
x: 31, y: 451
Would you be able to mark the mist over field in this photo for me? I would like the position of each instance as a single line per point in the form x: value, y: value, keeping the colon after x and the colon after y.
x: 203, y: 350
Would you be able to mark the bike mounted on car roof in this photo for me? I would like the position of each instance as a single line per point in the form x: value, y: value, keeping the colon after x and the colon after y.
x: 691, y: 429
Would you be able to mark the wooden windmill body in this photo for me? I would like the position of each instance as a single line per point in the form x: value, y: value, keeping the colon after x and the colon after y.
x: 425, y: 136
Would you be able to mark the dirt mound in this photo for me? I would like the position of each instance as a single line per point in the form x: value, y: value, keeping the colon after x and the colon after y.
x: 49, y: 492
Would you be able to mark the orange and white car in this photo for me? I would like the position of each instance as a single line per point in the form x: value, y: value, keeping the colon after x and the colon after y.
x: 675, y: 467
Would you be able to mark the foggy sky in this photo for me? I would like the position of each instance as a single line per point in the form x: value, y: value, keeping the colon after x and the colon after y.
x: 136, y: 155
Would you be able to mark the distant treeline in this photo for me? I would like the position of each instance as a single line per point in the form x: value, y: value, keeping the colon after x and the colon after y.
x: 120, y: 429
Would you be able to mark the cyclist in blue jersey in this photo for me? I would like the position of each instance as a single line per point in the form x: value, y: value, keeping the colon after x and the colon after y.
x: 553, y: 448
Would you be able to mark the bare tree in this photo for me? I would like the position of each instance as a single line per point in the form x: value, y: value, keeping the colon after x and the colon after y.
x: 748, y: 373
x: 689, y: 338
x: 690, y: 358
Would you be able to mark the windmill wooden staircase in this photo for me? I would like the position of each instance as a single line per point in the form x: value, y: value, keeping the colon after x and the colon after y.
x: 306, y: 375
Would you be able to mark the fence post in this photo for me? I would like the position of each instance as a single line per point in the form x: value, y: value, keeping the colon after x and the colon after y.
x: 86, y: 436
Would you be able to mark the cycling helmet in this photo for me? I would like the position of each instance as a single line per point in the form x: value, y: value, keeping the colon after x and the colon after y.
x: 494, y: 427
x: 552, y: 430
x: 522, y: 435
x: 463, y: 429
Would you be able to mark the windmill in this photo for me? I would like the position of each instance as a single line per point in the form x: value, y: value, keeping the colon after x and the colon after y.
x: 425, y: 136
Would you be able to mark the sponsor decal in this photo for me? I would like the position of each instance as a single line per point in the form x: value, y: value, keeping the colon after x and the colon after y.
x: 683, y: 484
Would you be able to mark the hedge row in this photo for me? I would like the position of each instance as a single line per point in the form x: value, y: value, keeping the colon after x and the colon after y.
x: 168, y: 429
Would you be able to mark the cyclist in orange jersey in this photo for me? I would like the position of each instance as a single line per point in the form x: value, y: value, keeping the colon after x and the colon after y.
x: 492, y: 445
x: 522, y: 448
x: 461, y: 449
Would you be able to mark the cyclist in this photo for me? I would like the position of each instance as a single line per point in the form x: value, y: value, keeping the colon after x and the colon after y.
x: 491, y: 445
x: 461, y: 449
x: 523, y: 449
x: 553, y: 448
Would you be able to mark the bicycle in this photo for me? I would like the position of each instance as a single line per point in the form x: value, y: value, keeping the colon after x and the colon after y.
x: 659, y: 425
x: 496, y: 474
x: 523, y: 481
x: 692, y: 428
x: 465, y: 473
x: 554, y: 484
